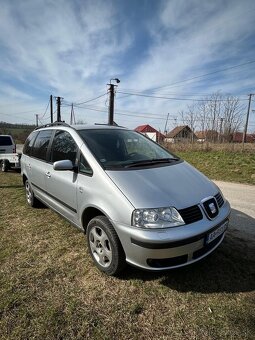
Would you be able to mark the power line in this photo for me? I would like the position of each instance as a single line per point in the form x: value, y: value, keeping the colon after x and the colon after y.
x: 138, y: 115
x: 8, y: 114
x: 174, y: 98
x: 46, y: 109
x: 179, y: 94
x: 204, y: 75
x: 89, y: 100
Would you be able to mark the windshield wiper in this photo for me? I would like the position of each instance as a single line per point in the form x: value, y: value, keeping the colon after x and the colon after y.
x: 151, y: 162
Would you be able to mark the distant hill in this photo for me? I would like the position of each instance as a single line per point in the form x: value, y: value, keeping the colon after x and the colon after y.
x: 18, y: 131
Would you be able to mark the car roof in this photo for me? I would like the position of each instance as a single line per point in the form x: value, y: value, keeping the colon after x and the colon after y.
x: 81, y: 126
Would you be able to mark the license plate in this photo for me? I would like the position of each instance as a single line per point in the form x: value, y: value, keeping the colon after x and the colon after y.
x: 217, y: 232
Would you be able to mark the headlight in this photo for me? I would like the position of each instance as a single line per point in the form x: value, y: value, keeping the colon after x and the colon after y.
x: 157, y: 218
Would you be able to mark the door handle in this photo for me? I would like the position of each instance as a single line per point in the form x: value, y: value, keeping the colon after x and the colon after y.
x: 48, y: 174
x: 81, y: 190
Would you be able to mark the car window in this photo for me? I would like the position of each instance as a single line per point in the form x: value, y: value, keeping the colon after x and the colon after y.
x: 84, y: 167
x: 29, y: 143
x: 63, y: 147
x: 5, y: 140
x: 41, y: 144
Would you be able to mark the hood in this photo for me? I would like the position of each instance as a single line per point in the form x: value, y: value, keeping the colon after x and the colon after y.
x: 179, y: 185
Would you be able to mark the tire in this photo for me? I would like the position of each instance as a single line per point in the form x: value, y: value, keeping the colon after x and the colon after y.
x: 104, y: 246
x: 30, y: 197
x: 4, y: 166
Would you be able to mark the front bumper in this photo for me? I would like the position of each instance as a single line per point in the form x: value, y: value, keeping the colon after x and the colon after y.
x: 172, y: 247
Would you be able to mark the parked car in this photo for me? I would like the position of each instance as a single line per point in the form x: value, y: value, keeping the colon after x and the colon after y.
x: 7, y: 144
x: 8, y: 156
x: 136, y: 202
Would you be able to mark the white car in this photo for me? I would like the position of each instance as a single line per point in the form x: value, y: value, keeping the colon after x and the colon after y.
x: 7, y: 144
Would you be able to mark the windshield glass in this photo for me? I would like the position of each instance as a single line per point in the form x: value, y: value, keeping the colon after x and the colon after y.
x: 116, y: 149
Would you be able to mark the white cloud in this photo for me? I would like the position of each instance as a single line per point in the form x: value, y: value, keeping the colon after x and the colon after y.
x: 73, y: 48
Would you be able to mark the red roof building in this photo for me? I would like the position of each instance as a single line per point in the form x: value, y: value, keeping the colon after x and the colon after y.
x: 150, y: 132
x: 238, y: 137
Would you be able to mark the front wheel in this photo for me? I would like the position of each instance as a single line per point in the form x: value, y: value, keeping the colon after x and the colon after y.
x: 104, y: 246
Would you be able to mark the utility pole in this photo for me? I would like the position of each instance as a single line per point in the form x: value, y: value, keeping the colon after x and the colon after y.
x: 220, y: 134
x: 72, y: 118
x: 165, y: 130
x: 51, y: 109
x: 58, y: 100
x: 111, y: 101
x: 247, y: 120
x: 36, y: 119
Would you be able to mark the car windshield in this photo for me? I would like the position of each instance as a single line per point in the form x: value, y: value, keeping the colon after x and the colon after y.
x: 124, y: 149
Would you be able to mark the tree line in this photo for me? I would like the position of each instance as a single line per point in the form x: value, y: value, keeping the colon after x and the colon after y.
x: 217, y: 117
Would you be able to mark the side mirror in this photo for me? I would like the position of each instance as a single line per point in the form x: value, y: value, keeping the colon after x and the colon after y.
x: 66, y: 164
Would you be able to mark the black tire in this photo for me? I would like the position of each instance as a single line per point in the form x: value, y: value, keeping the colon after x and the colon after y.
x: 30, y: 197
x: 104, y: 246
x: 4, y: 165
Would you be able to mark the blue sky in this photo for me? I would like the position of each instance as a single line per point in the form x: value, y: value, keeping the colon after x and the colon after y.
x: 73, y: 48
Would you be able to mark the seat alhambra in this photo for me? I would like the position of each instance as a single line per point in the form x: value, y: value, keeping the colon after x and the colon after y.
x: 136, y: 202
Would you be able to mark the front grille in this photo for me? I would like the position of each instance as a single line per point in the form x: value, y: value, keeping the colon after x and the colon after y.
x: 191, y: 214
x: 219, y: 199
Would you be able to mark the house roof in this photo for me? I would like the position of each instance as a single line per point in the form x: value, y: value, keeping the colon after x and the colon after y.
x: 148, y: 128
x: 177, y: 130
x: 145, y: 128
x: 206, y: 133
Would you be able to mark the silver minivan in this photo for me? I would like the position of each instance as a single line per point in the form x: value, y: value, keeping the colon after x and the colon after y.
x: 136, y: 202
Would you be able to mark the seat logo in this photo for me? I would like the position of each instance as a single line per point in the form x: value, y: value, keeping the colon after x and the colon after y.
x: 212, y: 208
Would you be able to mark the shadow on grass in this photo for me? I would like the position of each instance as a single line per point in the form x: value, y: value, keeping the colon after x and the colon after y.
x: 230, y: 268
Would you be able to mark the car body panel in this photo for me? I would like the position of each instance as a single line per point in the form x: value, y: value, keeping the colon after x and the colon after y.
x: 178, y: 185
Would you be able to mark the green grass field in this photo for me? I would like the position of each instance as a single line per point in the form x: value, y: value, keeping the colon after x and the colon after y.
x: 223, y: 165
x: 49, y: 287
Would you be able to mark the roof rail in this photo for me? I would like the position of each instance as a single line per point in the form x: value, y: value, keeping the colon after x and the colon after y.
x: 53, y: 124
x: 107, y: 124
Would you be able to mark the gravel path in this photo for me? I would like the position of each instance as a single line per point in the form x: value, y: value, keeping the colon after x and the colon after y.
x: 242, y: 200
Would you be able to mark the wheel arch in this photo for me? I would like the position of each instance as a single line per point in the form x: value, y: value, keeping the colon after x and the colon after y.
x: 88, y: 214
x: 24, y: 178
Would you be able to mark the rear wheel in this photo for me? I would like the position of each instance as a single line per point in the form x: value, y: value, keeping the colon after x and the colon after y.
x: 30, y: 197
x: 4, y: 166
x: 104, y: 246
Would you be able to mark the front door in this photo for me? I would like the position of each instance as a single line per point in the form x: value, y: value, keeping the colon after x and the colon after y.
x: 61, y: 185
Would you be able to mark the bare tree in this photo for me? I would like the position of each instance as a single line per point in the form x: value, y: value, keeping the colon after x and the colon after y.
x: 190, y: 118
x: 218, y: 116
x: 232, y: 117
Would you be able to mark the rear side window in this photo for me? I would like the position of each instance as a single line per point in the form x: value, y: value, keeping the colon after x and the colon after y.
x: 29, y: 144
x: 41, y: 144
x: 63, y: 147
x: 5, y: 140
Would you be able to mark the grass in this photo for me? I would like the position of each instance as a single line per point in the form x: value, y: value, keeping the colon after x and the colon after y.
x: 225, y: 165
x: 50, y: 288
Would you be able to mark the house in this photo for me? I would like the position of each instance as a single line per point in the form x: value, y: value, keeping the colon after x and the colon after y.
x: 150, y: 132
x: 238, y: 137
x: 180, y: 134
x: 214, y: 136
x: 207, y: 135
